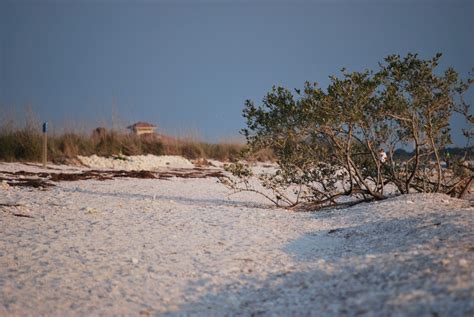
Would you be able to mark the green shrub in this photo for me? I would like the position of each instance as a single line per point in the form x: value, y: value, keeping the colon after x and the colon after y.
x: 327, y: 143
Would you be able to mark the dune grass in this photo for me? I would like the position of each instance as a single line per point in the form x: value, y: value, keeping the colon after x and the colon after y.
x: 24, y: 144
x: 21, y: 140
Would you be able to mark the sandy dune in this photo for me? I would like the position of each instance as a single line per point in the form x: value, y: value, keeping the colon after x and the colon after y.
x: 184, y: 247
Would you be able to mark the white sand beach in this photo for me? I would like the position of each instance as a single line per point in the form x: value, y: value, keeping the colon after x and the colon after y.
x: 178, y: 247
x: 137, y: 162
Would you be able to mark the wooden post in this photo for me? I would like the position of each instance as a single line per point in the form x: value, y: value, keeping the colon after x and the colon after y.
x: 45, y: 143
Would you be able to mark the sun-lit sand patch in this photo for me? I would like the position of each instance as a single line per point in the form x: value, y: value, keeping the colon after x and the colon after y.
x: 137, y: 162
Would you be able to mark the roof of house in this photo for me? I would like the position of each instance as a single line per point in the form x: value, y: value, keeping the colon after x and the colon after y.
x: 141, y: 124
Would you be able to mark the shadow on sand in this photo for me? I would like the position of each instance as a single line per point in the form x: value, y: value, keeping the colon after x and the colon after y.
x: 386, y: 268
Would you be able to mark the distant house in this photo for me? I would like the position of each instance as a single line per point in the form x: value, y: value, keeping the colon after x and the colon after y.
x: 140, y: 128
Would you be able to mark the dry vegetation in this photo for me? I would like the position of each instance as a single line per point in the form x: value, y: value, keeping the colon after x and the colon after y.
x: 24, y: 144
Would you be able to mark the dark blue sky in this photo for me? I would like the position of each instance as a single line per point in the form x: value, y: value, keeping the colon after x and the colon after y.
x: 189, y: 65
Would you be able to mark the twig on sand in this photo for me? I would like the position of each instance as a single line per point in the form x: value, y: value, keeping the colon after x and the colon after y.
x: 21, y: 215
x: 244, y: 259
x: 14, y: 213
x: 466, y: 188
x: 9, y: 205
x: 339, y: 205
